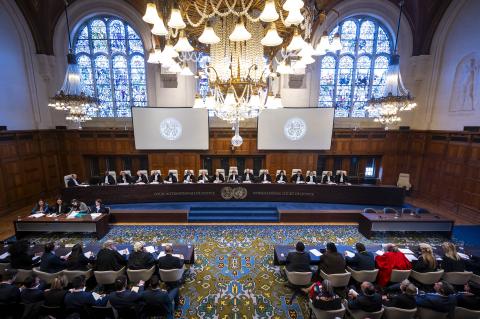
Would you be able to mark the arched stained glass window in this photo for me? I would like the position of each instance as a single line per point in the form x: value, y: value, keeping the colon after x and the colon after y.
x: 110, y: 55
x: 351, y: 76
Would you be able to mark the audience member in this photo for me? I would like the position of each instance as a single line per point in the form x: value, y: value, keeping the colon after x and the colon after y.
x: 298, y: 260
x: 265, y: 177
x: 98, y: 208
x: 331, y: 262
x: 367, y: 300
x: 157, y: 298
x: 404, y: 300
x: 470, y: 297
x: 328, y: 178
x: 169, y: 261
x: 451, y: 261
x: 155, y: 177
x: 108, y: 258
x: 391, y: 259
x: 20, y: 256
x: 40, y: 207
x: 140, y: 178
x: 122, y: 299
x: 218, y: 178
x: 9, y: 293
x: 73, y: 181
x: 341, y: 178
x: 139, y: 258
x: 203, y: 177
x: 77, y: 298
x: 234, y: 177
x: 77, y: 260
x: 426, y: 261
x: 50, y: 262
x: 363, y: 259
x: 281, y: 178
x: 248, y: 176
x: 55, y: 296
x: 32, y: 291
x: 171, y: 178
x: 59, y: 208
x: 311, y: 178
x: 297, y: 178
x: 323, y: 297
x: 108, y: 179
x: 78, y: 206
x: 124, y: 178
x: 443, y: 300
x: 188, y: 177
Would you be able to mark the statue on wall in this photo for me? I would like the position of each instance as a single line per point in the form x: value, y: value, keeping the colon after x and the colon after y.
x: 466, y: 86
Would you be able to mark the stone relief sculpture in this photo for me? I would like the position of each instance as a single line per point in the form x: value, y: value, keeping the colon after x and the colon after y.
x: 466, y: 86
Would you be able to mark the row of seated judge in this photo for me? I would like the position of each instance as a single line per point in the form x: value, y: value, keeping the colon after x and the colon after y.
x: 297, y: 177
x: 60, y: 207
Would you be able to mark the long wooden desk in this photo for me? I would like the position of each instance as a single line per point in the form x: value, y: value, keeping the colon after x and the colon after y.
x: 84, y: 224
x: 339, y: 194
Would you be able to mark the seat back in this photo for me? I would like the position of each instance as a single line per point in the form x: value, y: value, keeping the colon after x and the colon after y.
x: 324, y: 314
x: 171, y: 275
x: 390, y: 210
x: 457, y: 278
x: 427, y: 278
x: 128, y: 172
x: 404, y: 181
x: 279, y: 170
x: 359, y: 314
x: 399, y: 275
x: 174, y: 172
x: 98, y: 312
x: 363, y: 275
x: 475, y: 278
x: 294, y: 171
x: 113, y: 174
x: 369, y: 211
x: 143, y: 171
x: 55, y: 312
x: 425, y: 313
x: 66, y: 178
x: 464, y: 313
x: 260, y: 172
x: 399, y: 313
x: 337, y: 280
x: 299, y: 278
x: 71, y: 274
x: 324, y: 173
x: 126, y: 313
x: 231, y: 169
x: 200, y: 171
x: 107, y: 277
x: 45, y: 276
x: 142, y: 274
x: 221, y: 171
x: 153, y: 171
x: 22, y: 274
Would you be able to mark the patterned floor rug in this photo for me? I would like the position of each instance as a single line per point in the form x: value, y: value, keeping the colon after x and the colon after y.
x: 233, y: 276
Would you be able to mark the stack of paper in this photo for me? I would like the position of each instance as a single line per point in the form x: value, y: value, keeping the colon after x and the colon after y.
x: 406, y: 251
x: 162, y: 253
x: 37, y: 215
x: 150, y: 249
x: 411, y: 257
x: 4, y: 255
x: 96, y: 296
x: 349, y: 254
x: 166, y: 244
x: 95, y: 215
x: 72, y: 215
x: 178, y: 255
x: 463, y: 256
x: 124, y: 251
x: 88, y: 254
x: 315, y: 252
x: 379, y: 252
x: 67, y: 255
x: 69, y: 245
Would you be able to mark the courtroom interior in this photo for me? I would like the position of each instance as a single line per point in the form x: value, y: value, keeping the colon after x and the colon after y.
x: 240, y: 159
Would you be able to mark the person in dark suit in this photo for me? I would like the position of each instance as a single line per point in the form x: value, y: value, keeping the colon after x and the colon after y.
x: 331, y: 262
x: 297, y: 178
x: 368, y: 300
x: 140, y: 178
x: 139, y: 258
x: 157, y: 298
x: 155, y: 177
x: 363, y: 260
x: 122, y: 298
x: 59, y: 208
x: 404, y: 300
x: 469, y: 298
x: 40, y: 207
x: 32, y: 291
x: 20, y: 256
x: 218, y: 178
x: 9, y: 293
x: 248, y: 176
x: 341, y: 178
x: 50, y: 262
x: 77, y: 298
x: 323, y: 296
x: 298, y: 260
x: 426, y: 261
x: 169, y: 261
x: 443, y: 300
x: 108, y: 258
x: 73, y: 181
x: 265, y: 177
x: 108, y: 179
x: 451, y: 260
x: 54, y: 296
x: 77, y: 260
x: 328, y: 178
x: 78, y: 206
x: 171, y: 178
x: 203, y: 178
x: 311, y: 178
x: 189, y: 177
x: 124, y: 178
x: 281, y: 178
x: 98, y: 208
x: 234, y: 177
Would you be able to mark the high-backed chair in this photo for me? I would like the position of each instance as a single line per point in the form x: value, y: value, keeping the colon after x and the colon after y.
x: 141, y: 274
x: 174, y: 171
x: 171, y: 275
x: 398, y: 313
x: 399, y: 275
x: 22, y: 274
x: 475, y: 278
x: 298, y: 280
x: 71, y: 274
x: 144, y: 172
x: 188, y: 170
x: 200, y: 171
x: 390, y: 210
x: 153, y: 171
x: 363, y: 275
x: 221, y: 171
x: 425, y: 313
x: 337, y: 280
x: 427, y: 278
x: 369, y: 211
x: 231, y: 169
x: 294, y: 171
x: 128, y: 172
x: 457, y: 278
x: 108, y: 277
x: 260, y: 172
x: 324, y: 314
x: 404, y: 181
x: 279, y: 170
x: 464, y: 313
x: 324, y: 173
x: 66, y: 178
x: 113, y: 174
x: 359, y: 314
x: 45, y: 276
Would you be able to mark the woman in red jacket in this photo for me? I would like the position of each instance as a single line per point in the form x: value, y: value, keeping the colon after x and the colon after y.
x: 391, y: 259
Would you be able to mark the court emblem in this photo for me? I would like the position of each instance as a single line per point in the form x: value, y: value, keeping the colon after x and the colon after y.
x: 239, y: 193
x: 228, y: 193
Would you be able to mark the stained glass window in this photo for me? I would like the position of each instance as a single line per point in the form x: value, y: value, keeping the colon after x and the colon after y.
x: 351, y: 76
x: 110, y: 55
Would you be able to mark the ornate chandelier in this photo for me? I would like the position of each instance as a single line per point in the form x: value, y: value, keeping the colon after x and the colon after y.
x: 70, y: 97
x: 386, y: 109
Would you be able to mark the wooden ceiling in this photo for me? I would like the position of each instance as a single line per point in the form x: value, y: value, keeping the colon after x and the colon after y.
x: 423, y: 16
